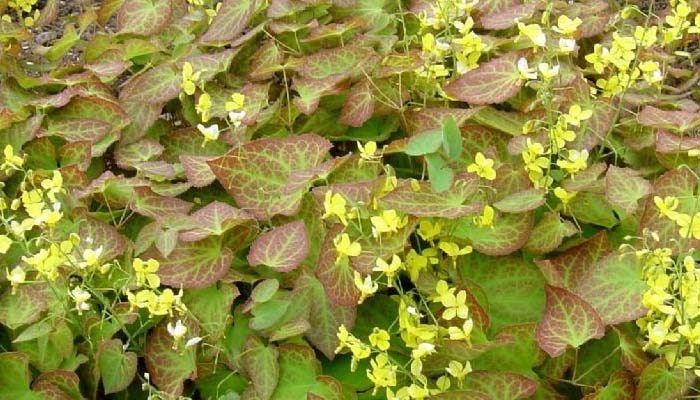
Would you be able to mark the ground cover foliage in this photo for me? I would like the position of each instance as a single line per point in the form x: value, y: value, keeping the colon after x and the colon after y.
x: 349, y: 199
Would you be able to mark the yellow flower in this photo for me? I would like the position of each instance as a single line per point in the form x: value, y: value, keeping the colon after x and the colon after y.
x: 368, y: 151
x: 389, y: 269
x: 483, y: 167
x: 210, y: 132
x: 383, y: 372
x: 452, y: 249
x: 567, y: 26
x: 81, y: 297
x: 91, y: 258
x: 576, y: 114
x: 690, y: 225
x: 548, y: 72
x: 645, y: 37
x: 189, y: 79
x: 567, y: 45
x: 203, y: 106
x: 53, y: 186
x: 463, y: 333
x: 415, y: 263
x: 666, y: 206
x: 429, y: 231
x: 16, y: 277
x: 486, y: 219
x: 577, y: 161
x: 146, y: 272
x: 388, y: 222
x: 379, y: 338
x: 236, y: 103
x: 534, y: 33
x: 12, y: 161
x: 345, y: 248
x: 455, y: 306
x: 525, y: 71
x: 177, y: 331
x: 564, y: 196
x: 560, y: 135
x: 334, y: 204
x: 366, y: 286
x: 164, y: 303
x: 458, y: 370
x: 5, y: 243
x: 33, y: 202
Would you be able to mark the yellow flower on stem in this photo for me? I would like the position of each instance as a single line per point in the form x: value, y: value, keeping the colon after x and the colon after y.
x: 382, y: 373
x: 534, y: 33
x: 567, y: 26
x: 459, y: 370
x: 428, y: 230
x: 483, y: 167
x: 379, y: 338
x: 236, y: 103
x: 486, y: 219
x: 16, y: 277
x: 455, y: 306
x: 189, y: 79
x: 5, y: 243
x: 388, y: 221
x: 389, y: 269
x: 368, y: 152
x: 146, y: 272
x: 203, y: 106
x: 366, y: 286
x: 666, y: 206
x: 11, y: 161
x: 564, y: 195
x: 334, y: 204
x: 690, y: 225
x: 576, y: 162
x: 345, y: 248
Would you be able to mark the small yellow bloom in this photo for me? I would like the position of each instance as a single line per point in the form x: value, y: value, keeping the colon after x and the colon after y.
x: 666, y: 206
x: 389, y: 269
x: 548, y: 72
x: 577, y: 161
x: 5, y: 243
x: 567, y: 26
x: 486, y: 219
x: 576, y: 114
x: 458, y: 370
x: 189, y: 79
x: 345, y: 248
x: 525, y: 71
x: 428, y: 230
x: 455, y: 306
x: 452, y: 249
x: 388, y: 222
x: 12, y: 161
x: 379, y: 338
x: 564, y: 196
x: 483, y: 167
x: 210, y: 133
x: 534, y: 33
x: 382, y: 373
x: 16, y: 277
x: 690, y: 225
x: 81, y: 297
x: 203, y: 106
x: 236, y: 103
x: 368, y: 151
x: 146, y: 272
x: 334, y: 204
x: 366, y: 286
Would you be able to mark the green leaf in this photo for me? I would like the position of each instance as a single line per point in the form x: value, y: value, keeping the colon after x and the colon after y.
x: 619, y: 387
x: 264, y: 290
x: 215, y: 219
x: 614, y: 287
x: 624, y: 187
x: 359, y: 106
x: 633, y: 357
x: 490, y: 83
x: 152, y: 205
x: 430, y: 119
x: 519, y: 202
x: 567, y: 321
x: 282, y: 249
x: 169, y: 368
x: 486, y: 385
x: 566, y: 269
x: 143, y: 17
x: 549, y: 233
x: 659, y: 382
x: 323, y: 315
x: 513, y: 287
x: 229, y: 22
x: 260, y: 364
x: 451, y: 138
x: 15, y: 377
x: 337, y: 276
x: 26, y: 305
x: 428, y: 203
x: 674, y: 120
x: 441, y: 175
x: 61, y: 46
x: 424, y: 143
x: 504, y: 121
x: 211, y: 306
x: 299, y: 376
x: 519, y: 356
x: 155, y: 86
x: 508, y: 233
x: 257, y: 173
x: 193, y: 264
x: 339, y: 61
x: 117, y: 367
x: 593, y: 209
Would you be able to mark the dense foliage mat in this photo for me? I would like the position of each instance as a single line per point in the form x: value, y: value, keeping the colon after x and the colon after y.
x: 349, y: 199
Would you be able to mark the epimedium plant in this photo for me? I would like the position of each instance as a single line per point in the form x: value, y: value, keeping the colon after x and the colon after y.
x: 349, y: 199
